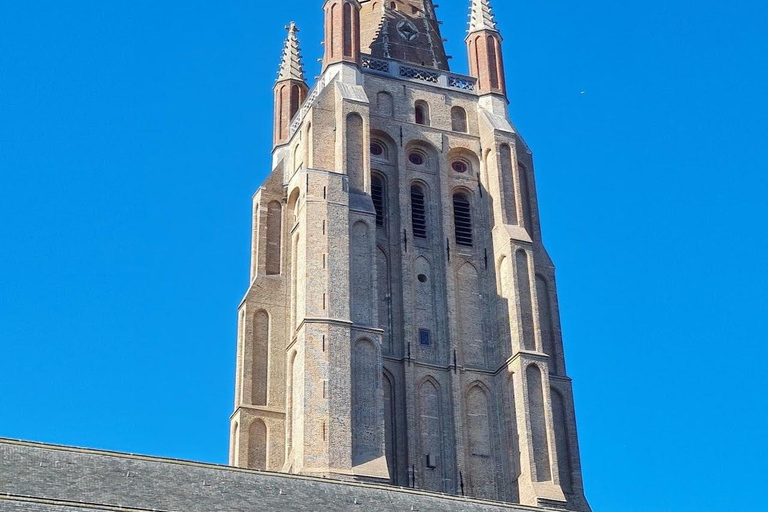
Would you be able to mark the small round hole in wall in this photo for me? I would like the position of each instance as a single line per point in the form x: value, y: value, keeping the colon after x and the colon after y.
x: 422, y: 278
x: 416, y: 159
x: 377, y: 149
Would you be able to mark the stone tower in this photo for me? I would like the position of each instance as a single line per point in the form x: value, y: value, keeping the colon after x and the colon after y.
x: 402, y: 321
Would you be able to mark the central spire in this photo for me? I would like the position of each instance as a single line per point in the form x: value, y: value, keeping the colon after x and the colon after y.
x: 404, y: 30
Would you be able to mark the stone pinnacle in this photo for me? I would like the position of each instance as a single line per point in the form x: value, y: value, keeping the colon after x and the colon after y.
x: 481, y: 17
x: 291, y: 65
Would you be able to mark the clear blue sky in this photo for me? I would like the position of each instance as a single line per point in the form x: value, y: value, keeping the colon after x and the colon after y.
x: 133, y: 133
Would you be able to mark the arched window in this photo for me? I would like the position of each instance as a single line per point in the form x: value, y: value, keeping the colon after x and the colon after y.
x: 260, y: 361
x: 347, y: 26
x: 257, y: 445
x: 525, y: 197
x: 279, y: 114
x: 355, y: 152
x: 378, y: 192
x: 492, y: 62
x: 418, y: 212
x: 459, y: 119
x: 298, y: 162
x: 462, y: 219
x: 310, y: 144
x: 274, y: 237
x: 295, y: 96
x: 422, y: 113
x: 536, y: 407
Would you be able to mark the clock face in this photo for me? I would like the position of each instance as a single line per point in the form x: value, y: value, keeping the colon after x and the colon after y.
x: 407, y: 30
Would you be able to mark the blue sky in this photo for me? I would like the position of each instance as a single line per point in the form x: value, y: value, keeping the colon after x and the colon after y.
x: 132, y: 135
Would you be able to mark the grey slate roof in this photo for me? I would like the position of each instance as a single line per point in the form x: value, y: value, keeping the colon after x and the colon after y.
x: 45, y: 478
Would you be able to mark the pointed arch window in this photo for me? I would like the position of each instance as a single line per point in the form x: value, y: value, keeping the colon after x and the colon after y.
x: 418, y: 212
x: 462, y: 219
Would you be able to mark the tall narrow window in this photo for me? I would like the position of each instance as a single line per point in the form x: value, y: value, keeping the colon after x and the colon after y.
x: 462, y: 219
x: 279, y: 114
x: 418, y: 212
x: 422, y: 113
x: 459, y: 119
x: 295, y: 98
x: 355, y: 152
x: 274, y: 237
x: 525, y: 197
x: 347, y: 30
x: 492, y: 63
x: 379, y: 201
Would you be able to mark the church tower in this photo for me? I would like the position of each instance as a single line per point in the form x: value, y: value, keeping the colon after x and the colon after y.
x: 402, y: 322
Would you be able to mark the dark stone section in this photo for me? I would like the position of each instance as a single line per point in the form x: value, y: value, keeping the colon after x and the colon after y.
x: 45, y: 478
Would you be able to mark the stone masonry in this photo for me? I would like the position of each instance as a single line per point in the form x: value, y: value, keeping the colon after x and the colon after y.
x: 402, y: 323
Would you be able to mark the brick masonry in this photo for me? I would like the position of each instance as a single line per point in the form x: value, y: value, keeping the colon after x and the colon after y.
x: 369, y: 350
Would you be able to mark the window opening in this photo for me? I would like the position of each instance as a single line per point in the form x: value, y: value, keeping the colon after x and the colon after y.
x: 459, y: 119
x: 460, y: 166
x: 424, y: 337
x: 462, y: 219
x: 418, y: 212
x: 422, y: 113
x: 416, y: 159
x: 377, y: 192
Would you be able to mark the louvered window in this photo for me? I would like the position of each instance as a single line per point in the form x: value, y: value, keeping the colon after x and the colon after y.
x: 418, y: 212
x: 377, y: 192
x: 462, y: 220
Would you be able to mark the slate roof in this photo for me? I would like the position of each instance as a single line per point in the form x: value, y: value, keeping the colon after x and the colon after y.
x: 46, y: 478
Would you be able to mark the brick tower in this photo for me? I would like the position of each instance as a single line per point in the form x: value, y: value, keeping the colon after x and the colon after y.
x: 402, y: 322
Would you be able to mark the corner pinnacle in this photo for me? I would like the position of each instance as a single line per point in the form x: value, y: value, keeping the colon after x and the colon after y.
x: 291, y: 65
x: 481, y: 17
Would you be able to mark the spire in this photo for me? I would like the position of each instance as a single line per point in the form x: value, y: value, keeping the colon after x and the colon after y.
x: 406, y: 30
x: 481, y: 16
x: 291, y: 65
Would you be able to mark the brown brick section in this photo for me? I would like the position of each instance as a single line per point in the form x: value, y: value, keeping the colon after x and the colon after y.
x: 342, y: 32
x: 486, y: 62
x: 289, y: 95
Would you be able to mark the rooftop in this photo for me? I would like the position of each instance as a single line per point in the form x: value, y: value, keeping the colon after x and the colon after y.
x: 47, y: 478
